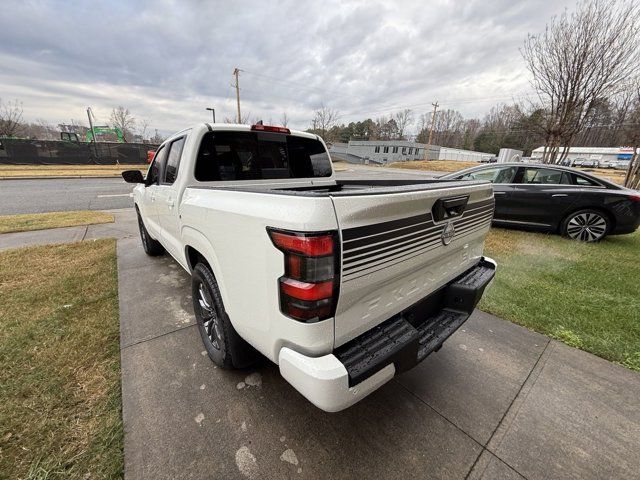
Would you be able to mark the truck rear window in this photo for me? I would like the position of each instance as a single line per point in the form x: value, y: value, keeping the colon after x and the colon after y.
x: 259, y: 155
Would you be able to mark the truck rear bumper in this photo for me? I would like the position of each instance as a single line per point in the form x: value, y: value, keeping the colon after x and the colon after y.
x: 336, y: 381
x: 324, y: 381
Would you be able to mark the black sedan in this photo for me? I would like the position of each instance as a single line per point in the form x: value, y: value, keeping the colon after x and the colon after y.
x: 558, y: 199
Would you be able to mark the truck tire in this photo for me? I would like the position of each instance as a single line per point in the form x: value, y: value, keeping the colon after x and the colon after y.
x: 151, y: 247
x: 586, y: 225
x: 223, y: 344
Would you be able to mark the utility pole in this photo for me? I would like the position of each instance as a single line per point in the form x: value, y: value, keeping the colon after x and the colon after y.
x: 236, y: 74
x: 93, y: 132
x: 433, y: 120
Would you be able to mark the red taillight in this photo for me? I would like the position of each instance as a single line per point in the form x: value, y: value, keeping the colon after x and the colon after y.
x: 270, y: 128
x: 308, y: 289
x: 315, y: 246
x: 634, y: 198
x: 150, y: 155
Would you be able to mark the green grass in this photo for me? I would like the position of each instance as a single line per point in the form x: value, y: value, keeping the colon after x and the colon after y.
x: 60, y: 401
x: 41, y: 221
x: 585, y: 295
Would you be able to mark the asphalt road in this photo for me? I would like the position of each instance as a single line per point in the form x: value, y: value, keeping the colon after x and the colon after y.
x: 64, y: 194
x: 52, y: 195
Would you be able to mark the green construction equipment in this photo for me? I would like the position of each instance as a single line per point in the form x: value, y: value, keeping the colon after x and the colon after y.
x: 69, y: 137
x: 103, y: 130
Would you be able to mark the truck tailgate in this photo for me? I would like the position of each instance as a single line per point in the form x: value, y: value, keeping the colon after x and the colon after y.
x: 397, y: 248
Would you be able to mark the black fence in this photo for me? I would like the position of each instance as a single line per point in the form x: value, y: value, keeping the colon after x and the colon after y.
x: 54, y: 152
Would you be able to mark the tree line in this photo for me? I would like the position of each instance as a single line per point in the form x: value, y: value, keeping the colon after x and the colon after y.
x: 612, y: 122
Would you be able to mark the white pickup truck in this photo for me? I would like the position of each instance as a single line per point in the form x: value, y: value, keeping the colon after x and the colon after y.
x: 343, y: 284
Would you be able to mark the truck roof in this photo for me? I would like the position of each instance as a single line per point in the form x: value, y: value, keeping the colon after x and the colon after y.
x: 233, y: 127
x: 239, y: 127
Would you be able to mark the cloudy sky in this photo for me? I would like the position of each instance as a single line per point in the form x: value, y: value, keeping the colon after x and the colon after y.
x: 168, y: 60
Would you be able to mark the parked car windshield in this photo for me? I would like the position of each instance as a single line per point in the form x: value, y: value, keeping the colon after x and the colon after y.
x: 260, y: 155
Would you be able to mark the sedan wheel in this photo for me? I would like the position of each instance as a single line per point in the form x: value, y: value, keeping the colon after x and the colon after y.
x: 586, y: 226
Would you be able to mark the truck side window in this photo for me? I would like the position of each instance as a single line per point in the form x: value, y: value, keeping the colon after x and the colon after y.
x: 153, y: 174
x: 173, y: 161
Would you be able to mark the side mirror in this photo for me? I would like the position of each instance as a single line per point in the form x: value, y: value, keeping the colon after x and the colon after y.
x: 133, y: 176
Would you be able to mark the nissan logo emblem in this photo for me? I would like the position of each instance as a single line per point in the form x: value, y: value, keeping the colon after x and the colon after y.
x: 448, y: 233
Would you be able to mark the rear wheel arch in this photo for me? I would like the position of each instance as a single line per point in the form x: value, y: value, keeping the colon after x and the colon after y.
x: 198, y: 249
x: 194, y: 256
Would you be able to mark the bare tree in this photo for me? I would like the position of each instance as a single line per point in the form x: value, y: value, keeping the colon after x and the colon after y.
x: 632, y: 179
x: 157, y: 138
x: 324, y: 118
x: 386, y: 128
x: 122, y: 118
x: 243, y: 119
x: 581, y: 57
x: 143, y: 127
x: 10, y: 118
x: 448, y: 127
x: 284, y: 120
x: 403, y: 119
x: 41, y: 130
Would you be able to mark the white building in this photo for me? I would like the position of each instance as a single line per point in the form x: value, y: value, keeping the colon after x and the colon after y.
x: 601, y: 154
x: 388, y: 151
x: 447, y: 153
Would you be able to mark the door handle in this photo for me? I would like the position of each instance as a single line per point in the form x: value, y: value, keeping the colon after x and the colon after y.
x: 559, y: 195
x: 171, y: 203
x: 499, y: 193
x: 153, y: 198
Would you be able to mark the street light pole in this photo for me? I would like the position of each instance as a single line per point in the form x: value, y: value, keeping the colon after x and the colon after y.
x: 213, y: 112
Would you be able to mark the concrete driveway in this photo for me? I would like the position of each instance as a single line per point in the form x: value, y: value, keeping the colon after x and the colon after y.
x: 497, y: 401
